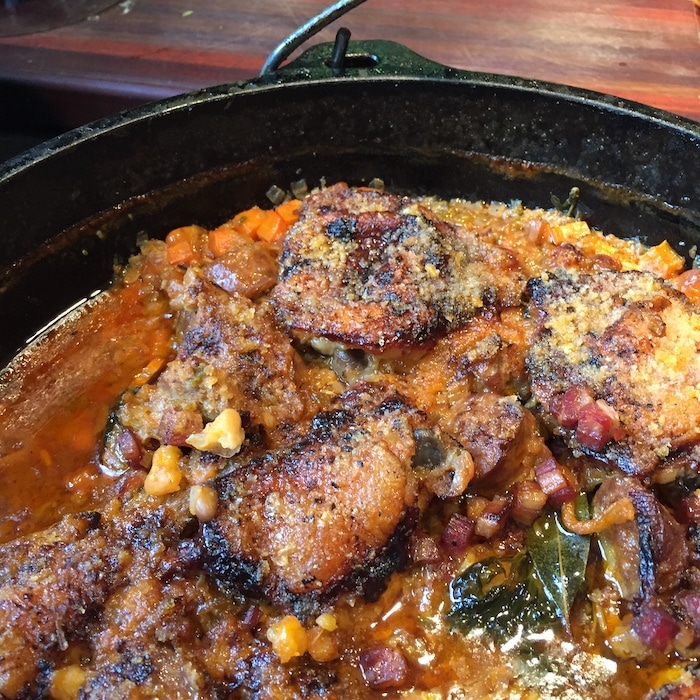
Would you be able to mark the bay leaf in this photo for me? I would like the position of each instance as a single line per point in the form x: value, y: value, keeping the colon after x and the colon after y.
x: 560, y: 559
x: 503, y: 598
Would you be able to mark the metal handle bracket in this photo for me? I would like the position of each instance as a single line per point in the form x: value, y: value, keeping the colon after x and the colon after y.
x: 300, y: 36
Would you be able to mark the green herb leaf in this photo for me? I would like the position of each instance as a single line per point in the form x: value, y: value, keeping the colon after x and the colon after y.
x: 560, y: 559
x: 503, y: 598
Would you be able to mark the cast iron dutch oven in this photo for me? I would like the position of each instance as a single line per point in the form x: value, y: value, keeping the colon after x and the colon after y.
x: 74, y: 206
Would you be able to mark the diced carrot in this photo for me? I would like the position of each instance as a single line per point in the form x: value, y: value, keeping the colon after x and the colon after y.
x: 181, y: 253
x: 148, y: 371
x: 184, y: 245
x: 273, y: 228
x: 192, y: 234
x: 249, y: 220
x: 555, y: 235
x: 567, y: 233
x: 224, y: 238
x: 688, y: 282
x: 661, y: 260
x: 289, y: 211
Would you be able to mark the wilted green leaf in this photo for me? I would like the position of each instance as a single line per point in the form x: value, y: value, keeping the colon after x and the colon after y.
x: 560, y: 559
x: 501, y: 598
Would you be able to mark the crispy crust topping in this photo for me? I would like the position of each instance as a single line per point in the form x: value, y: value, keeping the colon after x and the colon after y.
x: 632, y: 342
x: 378, y: 271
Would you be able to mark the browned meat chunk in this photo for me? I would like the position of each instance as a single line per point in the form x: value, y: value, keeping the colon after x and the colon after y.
x: 158, y: 639
x: 487, y: 355
x: 248, y: 269
x: 501, y: 437
x: 327, y: 512
x: 49, y: 585
x: 647, y: 556
x: 230, y: 355
x: 54, y: 584
x: 378, y: 271
x: 615, y: 364
x: 150, y: 631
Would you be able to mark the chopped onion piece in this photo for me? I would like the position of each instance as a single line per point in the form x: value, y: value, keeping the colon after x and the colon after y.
x: 424, y: 550
x: 619, y: 512
x: 299, y: 189
x: 276, y: 195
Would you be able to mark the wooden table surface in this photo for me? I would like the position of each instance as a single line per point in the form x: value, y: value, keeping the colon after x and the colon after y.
x: 142, y: 50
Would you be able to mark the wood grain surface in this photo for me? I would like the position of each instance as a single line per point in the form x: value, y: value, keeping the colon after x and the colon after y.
x: 142, y: 50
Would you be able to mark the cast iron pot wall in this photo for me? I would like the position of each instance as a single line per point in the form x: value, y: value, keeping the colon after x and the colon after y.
x: 200, y: 158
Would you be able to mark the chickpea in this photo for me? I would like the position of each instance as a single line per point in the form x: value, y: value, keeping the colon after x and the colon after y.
x: 288, y: 638
x: 203, y: 502
x: 165, y: 474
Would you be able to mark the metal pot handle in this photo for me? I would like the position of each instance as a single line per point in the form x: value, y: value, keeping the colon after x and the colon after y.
x: 306, y: 31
